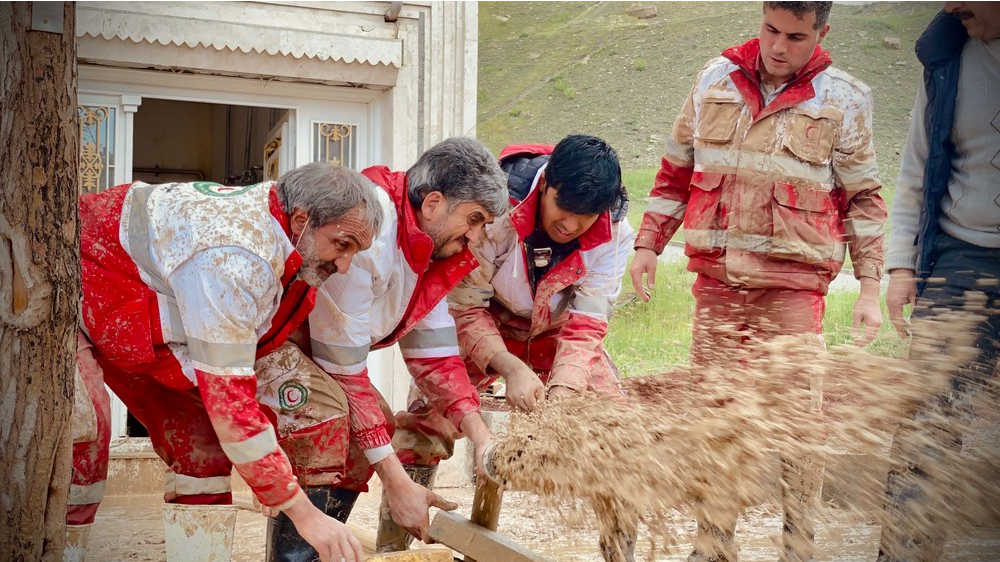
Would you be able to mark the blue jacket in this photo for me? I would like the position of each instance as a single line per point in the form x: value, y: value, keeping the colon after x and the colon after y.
x: 939, y: 50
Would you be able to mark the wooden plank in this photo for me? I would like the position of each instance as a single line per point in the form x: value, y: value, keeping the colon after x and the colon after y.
x: 482, y: 544
x: 423, y: 555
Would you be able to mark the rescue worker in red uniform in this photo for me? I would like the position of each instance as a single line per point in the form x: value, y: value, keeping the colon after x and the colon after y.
x: 185, y: 288
x: 771, y: 168
x: 395, y: 293
x: 535, y: 312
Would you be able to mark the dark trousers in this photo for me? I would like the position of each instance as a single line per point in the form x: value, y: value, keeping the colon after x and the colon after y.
x: 927, y: 488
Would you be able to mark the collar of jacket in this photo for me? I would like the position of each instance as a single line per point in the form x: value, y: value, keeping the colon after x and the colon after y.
x: 415, y: 244
x: 747, y: 78
x: 525, y: 150
x: 941, y: 41
x: 523, y: 218
x: 294, y: 261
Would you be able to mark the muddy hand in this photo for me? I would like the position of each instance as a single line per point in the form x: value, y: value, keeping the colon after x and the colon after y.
x: 643, y: 264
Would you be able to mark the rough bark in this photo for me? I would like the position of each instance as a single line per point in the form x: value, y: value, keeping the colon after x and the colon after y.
x: 39, y: 279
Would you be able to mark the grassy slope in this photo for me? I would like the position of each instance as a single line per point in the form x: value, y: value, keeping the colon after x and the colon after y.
x: 548, y: 69
x: 555, y: 68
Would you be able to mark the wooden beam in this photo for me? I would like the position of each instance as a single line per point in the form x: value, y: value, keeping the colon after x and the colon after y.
x: 422, y: 555
x: 482, y: 544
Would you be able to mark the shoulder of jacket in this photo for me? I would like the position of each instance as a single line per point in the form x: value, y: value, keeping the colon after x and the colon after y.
x: 844, y: 83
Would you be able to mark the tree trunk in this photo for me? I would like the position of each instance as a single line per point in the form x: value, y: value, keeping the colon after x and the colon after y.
x: 39, y: 276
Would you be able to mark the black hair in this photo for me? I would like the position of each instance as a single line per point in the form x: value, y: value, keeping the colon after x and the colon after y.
x: 800, y: 9
x: 586, y: 175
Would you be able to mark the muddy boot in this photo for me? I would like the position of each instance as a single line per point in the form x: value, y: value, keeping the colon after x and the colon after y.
x: 391, y: 537
x: 618, y: 545
x: 714, y: 543
x: 801, y: 485
x: 76, y: 543
x: 199, y: 533
x: 283, y: 543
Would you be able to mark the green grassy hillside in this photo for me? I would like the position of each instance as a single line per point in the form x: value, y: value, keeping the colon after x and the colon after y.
x: 548, y: 69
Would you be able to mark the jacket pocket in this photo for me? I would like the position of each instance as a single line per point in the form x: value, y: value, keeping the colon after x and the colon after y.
x: 704, y: 221
x: 810, y: 135
x: 717, y: 120
x: 807, y: 225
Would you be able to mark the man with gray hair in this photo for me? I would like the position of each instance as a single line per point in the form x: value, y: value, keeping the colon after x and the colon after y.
x: 396, y: 293
x: 190, y: 290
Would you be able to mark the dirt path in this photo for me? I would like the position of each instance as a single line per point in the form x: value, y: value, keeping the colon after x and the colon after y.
x: 130, y: 529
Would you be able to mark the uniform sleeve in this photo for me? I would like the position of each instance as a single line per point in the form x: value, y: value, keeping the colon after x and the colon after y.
x: 430, y: 351
x: 906, y: 203
x: 856, y: 172
x: 672, y: 186
x: 340, y: 332
x: 223, y: 296
x: 581, y: 338
x: 469, y: 301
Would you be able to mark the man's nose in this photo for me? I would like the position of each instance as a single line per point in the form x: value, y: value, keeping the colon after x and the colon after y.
x: 474, y: 233
x: 344, y: 262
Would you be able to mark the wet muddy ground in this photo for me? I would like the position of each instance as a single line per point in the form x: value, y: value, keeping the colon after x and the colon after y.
x: 129, y: 528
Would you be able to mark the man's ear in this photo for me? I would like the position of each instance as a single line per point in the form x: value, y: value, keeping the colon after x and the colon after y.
x: 432, y: 204
x: 822, y: 33
x: 297, y: 221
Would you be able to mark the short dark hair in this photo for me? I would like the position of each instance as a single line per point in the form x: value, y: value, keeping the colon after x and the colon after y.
x: 586, y: 175
x: 800, y: 9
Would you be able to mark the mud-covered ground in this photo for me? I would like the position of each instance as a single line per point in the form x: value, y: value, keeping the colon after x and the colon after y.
x: 130, y: 529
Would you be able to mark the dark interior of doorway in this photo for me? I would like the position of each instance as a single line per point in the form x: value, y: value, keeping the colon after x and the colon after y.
x: 192, y: 141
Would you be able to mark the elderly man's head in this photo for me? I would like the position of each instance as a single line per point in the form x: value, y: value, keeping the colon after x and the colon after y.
x: 456, y: 187
x: 334, y: 213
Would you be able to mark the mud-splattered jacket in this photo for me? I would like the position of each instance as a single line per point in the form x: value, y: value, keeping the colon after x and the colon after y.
x: 163, y: 275
x: 771, y: 195
x: 394, y: 292
x: 573, y: 299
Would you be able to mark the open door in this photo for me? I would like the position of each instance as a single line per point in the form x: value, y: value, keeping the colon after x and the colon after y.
x: 278, y: 155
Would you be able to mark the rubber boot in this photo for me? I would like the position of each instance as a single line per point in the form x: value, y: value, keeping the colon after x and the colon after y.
x: 617, y: 539
x: 714, y: 543
x: 802, y: 483
x: 391, y: 537
x: 283, y: 542
x: 199, y: 533
x: 76, y: 543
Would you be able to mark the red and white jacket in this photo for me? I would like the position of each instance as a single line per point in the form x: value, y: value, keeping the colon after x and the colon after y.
x: 574, y: 299
x: 393, y: 292
x: 164, y: 276
x: 771, y: 194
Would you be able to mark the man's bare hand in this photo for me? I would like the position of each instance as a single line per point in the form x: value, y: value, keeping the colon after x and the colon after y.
x: 902, y: 291
x: 866, y: 318
x: 409, y: 503
x: 643, y: 263
x: 524, y: 389
x: 331, y: 538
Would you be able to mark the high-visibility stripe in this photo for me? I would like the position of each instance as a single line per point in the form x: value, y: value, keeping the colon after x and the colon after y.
x: 668, y: 207
x: 222, y: 355
x: 137, y: 243
x: 222, y: 371
x: 183, y: 485
x: 759, y: 243
x: 252, y: 449
x: 760, y: 164
x: 678, y: 154
x: 598, y: 306
x: 344, y: 356
x: 430, y: 338
x: 863, y: 227
x: 337, y: 369
x: 429, y: 352
x: 86, y: 494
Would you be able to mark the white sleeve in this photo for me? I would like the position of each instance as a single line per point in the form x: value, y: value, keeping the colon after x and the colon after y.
x: 340, y: 325
x: 224, y: 295
x: 905, y: 215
